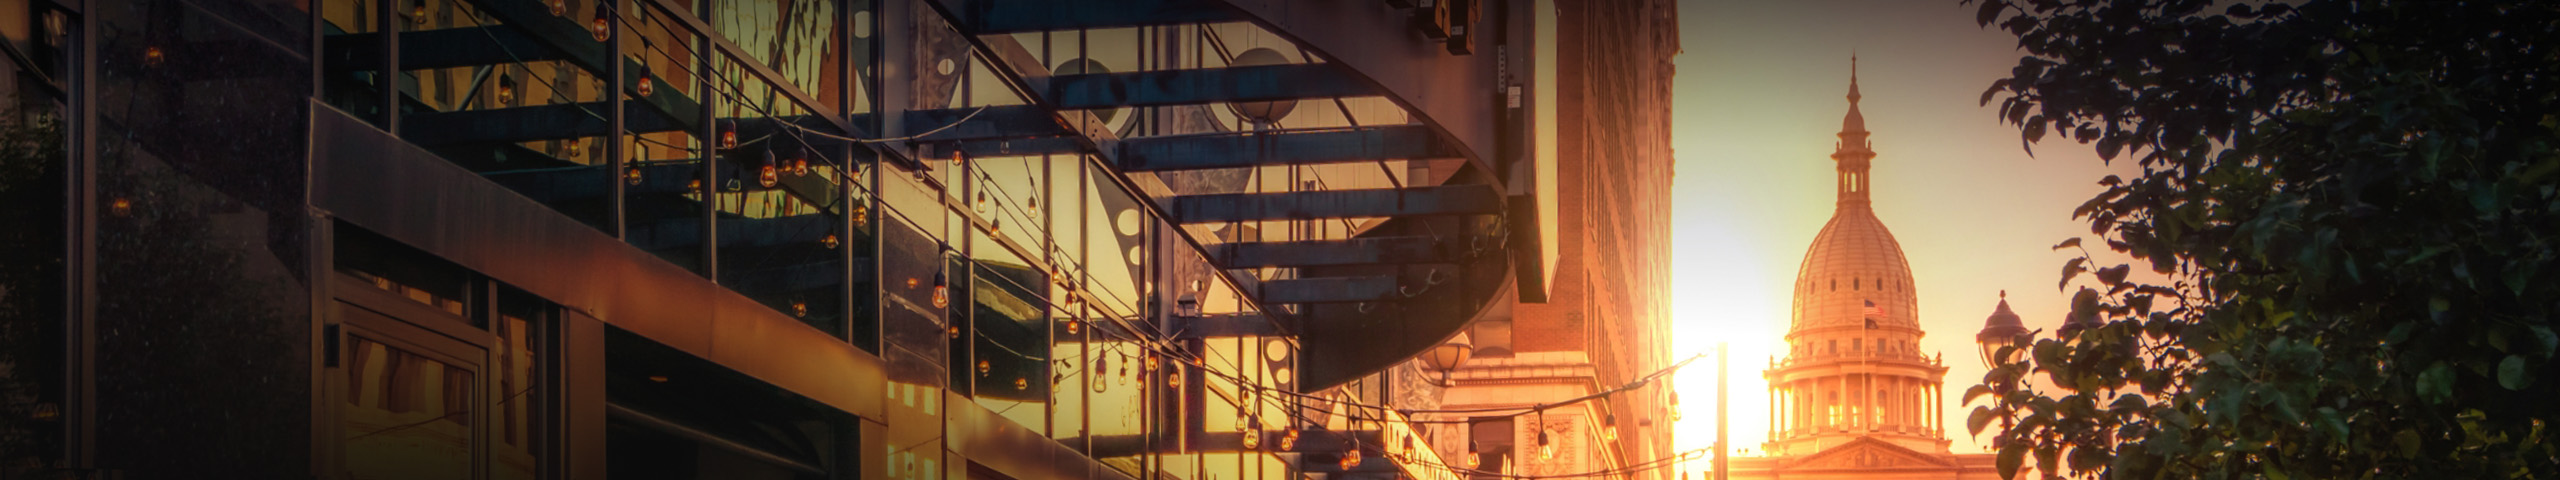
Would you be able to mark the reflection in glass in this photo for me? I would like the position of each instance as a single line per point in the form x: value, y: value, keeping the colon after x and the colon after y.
x: 408, y: 417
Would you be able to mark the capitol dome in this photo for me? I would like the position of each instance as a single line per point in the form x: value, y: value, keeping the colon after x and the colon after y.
x: 1854, y: 261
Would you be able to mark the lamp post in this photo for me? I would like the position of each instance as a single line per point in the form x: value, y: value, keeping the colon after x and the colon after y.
x: 2000, y: 331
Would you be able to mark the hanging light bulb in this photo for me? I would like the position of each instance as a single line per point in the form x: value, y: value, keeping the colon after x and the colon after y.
x: 1034, y: 205
x: 1074, y: 327
x: 120, y: 207
x: 647, y: 85
x: 800, y: 165
x: 694, y: 186
x: 829, y: 241
x: 418, y: 11
x: 1020, y: 384
x: 1252, y: 430
x: 728, y: 134
x: 1351, y: 458
x: 631, y: 175
x: 986, y: 367
x: 768, y: 175
x: 506, y: 89
x: 954, y: 330
x: 1546, y: 449
x: 1173, y: 378
x: 1289, y: 439
x: 799, y: 309
x: 1472, y: 457
x: 151, y: 56
x: 602, y: 26
x: 576, y: 146
x: 1152, y: 362
x: 861, y: 215
x: 942, y: 296
x: 559, y: 7
x: 982, y: 201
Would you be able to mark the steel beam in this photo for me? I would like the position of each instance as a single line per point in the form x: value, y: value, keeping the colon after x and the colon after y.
x: 1452, y: 92
x: 734, y: 232
x: 523, y: 124
x: 1204, y: 85
x: 1282, y: 147
x: 1329, y: 290
x: 1016, y: 16
x: 1319, y: 253
x: 445, y: 48
x: 1382, y: 202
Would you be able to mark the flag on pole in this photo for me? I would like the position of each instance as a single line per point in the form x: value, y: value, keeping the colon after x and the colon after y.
x: 1872, y: 312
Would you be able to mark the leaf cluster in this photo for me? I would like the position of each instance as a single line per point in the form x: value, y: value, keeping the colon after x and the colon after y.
x: 2353, y: 205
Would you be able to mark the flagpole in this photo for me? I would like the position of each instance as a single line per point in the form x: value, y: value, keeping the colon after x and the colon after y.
x: 1721, y: 349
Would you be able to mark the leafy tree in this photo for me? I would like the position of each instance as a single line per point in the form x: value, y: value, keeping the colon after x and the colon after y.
x: 2351, y: 205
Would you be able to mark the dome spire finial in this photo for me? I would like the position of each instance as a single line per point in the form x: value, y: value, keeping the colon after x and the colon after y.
x: 1853, y: 77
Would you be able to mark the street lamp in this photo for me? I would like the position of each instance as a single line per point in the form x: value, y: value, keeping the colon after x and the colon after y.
x: 1446, y: 357
x: 2000, y: 331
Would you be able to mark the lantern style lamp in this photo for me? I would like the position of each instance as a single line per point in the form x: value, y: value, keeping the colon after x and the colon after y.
x: 1446, y: 357
x: 1999, y: 331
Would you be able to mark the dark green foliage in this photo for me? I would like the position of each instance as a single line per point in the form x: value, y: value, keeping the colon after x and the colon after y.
x: 2352, y: 207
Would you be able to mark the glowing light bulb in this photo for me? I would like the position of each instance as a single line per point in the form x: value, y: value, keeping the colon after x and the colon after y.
x: 768, y: 175
x: 829, y: 241
x: 1020, y: 384
x: 506, y: 89
x: 647, y: 88
x: 1034, y: 206
x: 1151, y: 363
x: 151, y: 56
x: 629, y: 174
x: 942, y: 298
x: 985, y: 367
x: 602, y: 26
x: 728, y: 134
x: 1252, y: 440
x: 1288, y: 439
x: 1075, y: 327
x: 120, y: 207
x: 799, y: 167
x: 694, y: 186
x: 418, y: 12
x: 1173, y: 378
x: 799, y: 309
x: 1351, y: 458
x: 576, y: 147
x: 559, y: 7
x: 861, y: 215
x: 982, y: 202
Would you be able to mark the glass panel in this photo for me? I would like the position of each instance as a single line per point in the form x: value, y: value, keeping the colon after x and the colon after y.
x: 782, y: 205
x: 795, y: 37
x: 1010, y: 334
x: 1008, y: 193
x: 408, y: 416
x: 351, y: 83
x: 519, y: 416
x: 551, y: 158
x: 663, y: 176
x: 1069, y: 376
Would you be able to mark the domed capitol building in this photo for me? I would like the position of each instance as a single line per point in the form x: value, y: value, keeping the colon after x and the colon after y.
x: 1855, y: 397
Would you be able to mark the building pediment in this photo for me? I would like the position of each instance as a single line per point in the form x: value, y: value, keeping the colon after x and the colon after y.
x: 1868, y: 453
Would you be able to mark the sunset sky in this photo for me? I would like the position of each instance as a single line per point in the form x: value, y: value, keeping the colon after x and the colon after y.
x: 1758, y: 99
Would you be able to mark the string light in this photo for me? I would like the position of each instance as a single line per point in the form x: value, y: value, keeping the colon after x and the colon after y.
x: 829, y: 241
x: 728, y: 134
x: 1074, y: 327
x: 768, y: 175
x: 1351, y: 458
x: 800, y: 165
x: 942, y: 295
x: 506, y: 89
x: 645, y: 81
x: 418, y: 11
x: 1289, y: 439
x: 1252, y: 430
x: 120, y: 206
x: 151, y: 56
x: 559, y: 7
x: 1020, y: 384
x: 602, y: 26
x: 1473, y: 458
x: 630, y: 175
x: 577, y: 146
x: 799, y: 309
x: 985, y: 367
